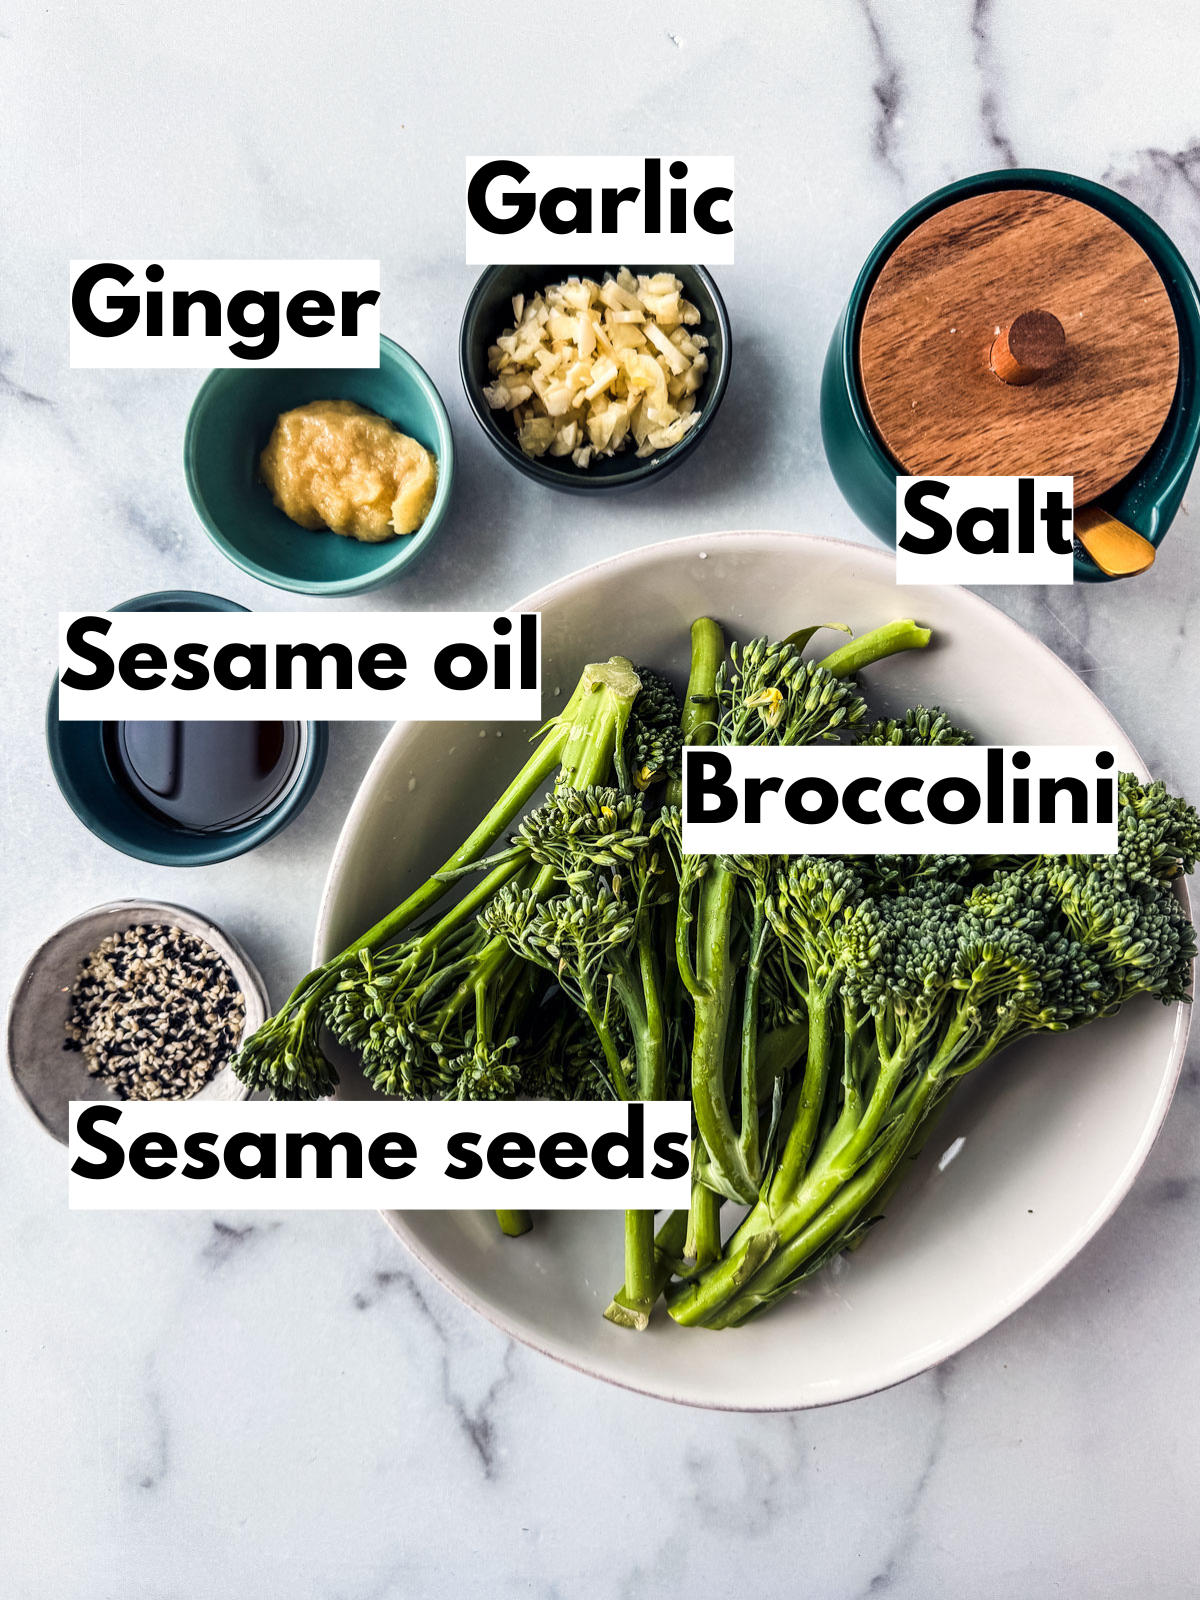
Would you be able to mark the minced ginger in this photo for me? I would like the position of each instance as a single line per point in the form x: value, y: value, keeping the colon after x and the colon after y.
x: 333, y: 464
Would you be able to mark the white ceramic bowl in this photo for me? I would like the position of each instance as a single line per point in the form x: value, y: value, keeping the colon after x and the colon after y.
x: 1034, y: 1152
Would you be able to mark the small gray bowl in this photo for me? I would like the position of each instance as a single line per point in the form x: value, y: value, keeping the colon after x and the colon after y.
x: 46, y: 1076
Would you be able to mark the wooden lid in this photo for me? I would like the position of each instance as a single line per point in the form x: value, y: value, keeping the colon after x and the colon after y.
x: 1019, y: 332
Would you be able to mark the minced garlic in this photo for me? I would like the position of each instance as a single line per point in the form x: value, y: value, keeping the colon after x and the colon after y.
x: 588, y: 366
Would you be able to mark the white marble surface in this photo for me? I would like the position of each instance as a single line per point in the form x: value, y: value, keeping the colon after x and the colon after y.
x: 282, y: 1406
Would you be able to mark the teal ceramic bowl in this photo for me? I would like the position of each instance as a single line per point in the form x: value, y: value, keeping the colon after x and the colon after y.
x: 103, y: 804
x: 489, y: 311
x: 1146, y: 500
x: 230, y: 422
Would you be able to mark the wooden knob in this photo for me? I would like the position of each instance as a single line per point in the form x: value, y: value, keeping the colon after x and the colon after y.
x: 1032, y: 346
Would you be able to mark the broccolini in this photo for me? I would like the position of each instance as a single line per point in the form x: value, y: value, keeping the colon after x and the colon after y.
x: 818, y: 1011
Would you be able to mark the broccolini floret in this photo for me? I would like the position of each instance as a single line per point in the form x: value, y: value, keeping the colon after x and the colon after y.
x: 918, y: 726
x: 408, y: 1027
x: 600, y: 941
x: 654, y: 738
x: 935, y: 976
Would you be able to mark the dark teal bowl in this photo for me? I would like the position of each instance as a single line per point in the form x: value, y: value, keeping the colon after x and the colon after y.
x: 1146, y: 500
x: 489, y: 312
x: 230, y: 422
x: 102, y: 803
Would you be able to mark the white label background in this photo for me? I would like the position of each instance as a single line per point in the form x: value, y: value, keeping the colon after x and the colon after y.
x: 429, y: 1124
x: 137, y: 349
x: 420, y: 634
x: 631, y: 242
x: 956, y: 565
x: 779, y: 834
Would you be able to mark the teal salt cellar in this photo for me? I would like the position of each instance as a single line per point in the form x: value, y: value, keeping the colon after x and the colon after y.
x: 963, y: 265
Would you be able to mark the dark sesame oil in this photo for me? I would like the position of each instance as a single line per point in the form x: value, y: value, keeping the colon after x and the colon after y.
x: 204, y: 777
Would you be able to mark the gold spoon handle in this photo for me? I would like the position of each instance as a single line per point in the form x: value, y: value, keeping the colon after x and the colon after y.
x: 1116, y: 549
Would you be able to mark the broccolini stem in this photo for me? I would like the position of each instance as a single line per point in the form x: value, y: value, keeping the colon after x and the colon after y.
x: 496, y: 954
x: 640, y: 1291
x: 710, y: 979
x: 784, y: 1218
x: 912, y: 1151
x: 715, y: 971
x: 703, y: 1242
x: 598, y: 1017
x: 784, y: 1268
x: 595, y: 728
x: 699, y: 719
x: 891, y: 1074
x: 541, y: 766
x: 749, y: 1140
x: 652, y: 1056
x: 849, y: 659
x: 480, y: 970
x: 514, y: 1223
x: 683, y: 947
x: 464, y: 911
x: 778, y: 1051
x: 797, y: 1151
x: 668, y: 1248
x: 641, y: 1000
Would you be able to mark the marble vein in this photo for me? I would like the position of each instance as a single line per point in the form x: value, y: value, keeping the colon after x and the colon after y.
x: 477, y: 1422
x: 988, y: 65
x: 10, y: 389
x: 226, y: 1241
x: 153, y: 1460
x: 895, y: 1568
x: 887, y: 88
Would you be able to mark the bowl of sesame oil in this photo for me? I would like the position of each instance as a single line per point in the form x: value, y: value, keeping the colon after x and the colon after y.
x: 184, y: 794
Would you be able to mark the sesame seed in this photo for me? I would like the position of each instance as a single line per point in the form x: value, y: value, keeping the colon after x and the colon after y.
x: 155, y: 1013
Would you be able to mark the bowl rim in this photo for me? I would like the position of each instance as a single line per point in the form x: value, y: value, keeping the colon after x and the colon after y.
x: 404, y: 551
x: 224, y: 846
x: 254, y: 989
x: 972, y: 1328
x: 638, y: 472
